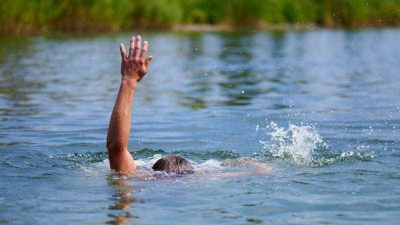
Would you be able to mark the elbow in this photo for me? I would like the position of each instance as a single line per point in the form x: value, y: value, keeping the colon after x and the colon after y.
x: 114, y: 145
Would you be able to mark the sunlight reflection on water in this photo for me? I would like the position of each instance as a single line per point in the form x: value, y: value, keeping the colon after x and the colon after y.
x: 209, y: 97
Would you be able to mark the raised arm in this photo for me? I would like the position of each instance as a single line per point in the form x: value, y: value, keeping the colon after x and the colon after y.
x: 133, y: 68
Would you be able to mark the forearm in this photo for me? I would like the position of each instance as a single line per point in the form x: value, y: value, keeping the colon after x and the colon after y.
x: 119, y: 130
x: 120, y: 122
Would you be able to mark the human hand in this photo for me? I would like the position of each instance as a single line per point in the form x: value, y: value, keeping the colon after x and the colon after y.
x: 134, y: 66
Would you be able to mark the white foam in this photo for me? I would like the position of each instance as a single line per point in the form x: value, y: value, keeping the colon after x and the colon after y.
x: 98, y: 168
x: 148, y: 162
x: 208, y: 166
x: 295, y: 142
x: 145, y: 165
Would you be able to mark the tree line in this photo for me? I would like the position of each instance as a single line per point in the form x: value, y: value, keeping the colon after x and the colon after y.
x: 24, y: 17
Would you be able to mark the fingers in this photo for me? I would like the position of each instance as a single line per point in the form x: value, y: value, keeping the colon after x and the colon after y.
x: 143, y: 54
x: 137, y: 47
x: 131, y: 47
x: 134, y: 49
x: 123, y: 51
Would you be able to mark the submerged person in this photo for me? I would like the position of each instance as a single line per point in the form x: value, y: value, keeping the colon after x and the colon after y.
x: 134, y: 65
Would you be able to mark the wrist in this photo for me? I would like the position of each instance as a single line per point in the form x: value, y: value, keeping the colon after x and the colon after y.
x: 129, y: 81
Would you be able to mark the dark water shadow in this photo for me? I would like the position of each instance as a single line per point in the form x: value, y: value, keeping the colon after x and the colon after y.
x: 197, y: 67
x: 16, y: 86
x: 123, y: 199
x: 240, y: 82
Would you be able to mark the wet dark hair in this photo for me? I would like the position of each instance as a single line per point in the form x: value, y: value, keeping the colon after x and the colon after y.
x: 173, y: 164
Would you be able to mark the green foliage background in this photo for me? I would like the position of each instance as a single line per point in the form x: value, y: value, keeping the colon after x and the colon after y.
x: 41, y: 16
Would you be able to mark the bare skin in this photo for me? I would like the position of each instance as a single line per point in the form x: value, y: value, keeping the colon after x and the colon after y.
x: 134, y: 67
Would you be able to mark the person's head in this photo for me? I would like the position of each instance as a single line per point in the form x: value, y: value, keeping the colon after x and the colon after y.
x: 173, y: 164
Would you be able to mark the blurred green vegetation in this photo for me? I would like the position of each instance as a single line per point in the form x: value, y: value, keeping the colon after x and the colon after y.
x: 41, y: 16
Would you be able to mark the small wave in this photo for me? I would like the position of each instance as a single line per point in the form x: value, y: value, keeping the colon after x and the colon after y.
x: 332, y: 158
x: 304, y: 145
x: 86, y: 157
x: 147, y: 153
x: 207, y: 165
x: 203, y: 162
x: 148, y: 162
x: 297, y: 143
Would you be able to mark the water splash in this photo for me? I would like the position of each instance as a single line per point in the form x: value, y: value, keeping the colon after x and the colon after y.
x: 304, y: 145
x: 296, y: 142
x: 331, y: 158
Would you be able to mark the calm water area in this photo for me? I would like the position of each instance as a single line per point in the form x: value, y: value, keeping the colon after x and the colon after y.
x: 321, y: 108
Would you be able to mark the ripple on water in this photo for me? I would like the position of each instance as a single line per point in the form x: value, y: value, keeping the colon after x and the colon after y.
x: 304, y: 145
x: 334, y: 148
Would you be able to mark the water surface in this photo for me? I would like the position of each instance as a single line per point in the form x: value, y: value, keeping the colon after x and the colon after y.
x: 320, y: 107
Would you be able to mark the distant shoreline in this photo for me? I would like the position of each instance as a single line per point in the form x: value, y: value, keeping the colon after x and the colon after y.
x: 258, y: 27
x: 198, y: 28
x: 44, y: 17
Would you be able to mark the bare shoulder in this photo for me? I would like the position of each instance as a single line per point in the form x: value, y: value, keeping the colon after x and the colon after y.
x: 242, y: 167
x: 249, y: 163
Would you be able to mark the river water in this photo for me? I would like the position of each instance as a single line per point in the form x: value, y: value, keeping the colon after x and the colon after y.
x: 321, y: 108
